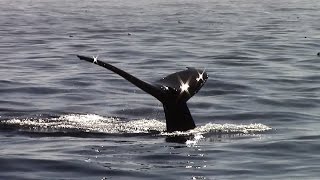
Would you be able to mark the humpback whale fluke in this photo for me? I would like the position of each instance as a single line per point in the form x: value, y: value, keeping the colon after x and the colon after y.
x: 173, y: 91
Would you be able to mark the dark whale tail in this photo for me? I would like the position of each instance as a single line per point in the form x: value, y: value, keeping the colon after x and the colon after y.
x: 173, y: 91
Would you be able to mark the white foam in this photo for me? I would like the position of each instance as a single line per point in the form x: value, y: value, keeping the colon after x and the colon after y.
x: 222, y: 129
x: 91, y: 123
x: 100, y: 124
x: 194, y: 141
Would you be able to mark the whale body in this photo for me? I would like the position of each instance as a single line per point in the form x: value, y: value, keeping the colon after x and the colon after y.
x: 173, y: 91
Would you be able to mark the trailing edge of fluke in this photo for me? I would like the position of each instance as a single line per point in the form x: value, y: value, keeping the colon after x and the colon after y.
x: 173, y: 91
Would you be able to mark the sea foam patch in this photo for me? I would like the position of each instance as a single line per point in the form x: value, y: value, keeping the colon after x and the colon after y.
x: 109, y: 125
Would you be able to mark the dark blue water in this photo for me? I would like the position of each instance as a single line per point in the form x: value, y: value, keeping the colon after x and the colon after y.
x: 257, y: 116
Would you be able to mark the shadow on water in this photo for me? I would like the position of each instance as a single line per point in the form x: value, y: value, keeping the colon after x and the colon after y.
x: 178, y: 139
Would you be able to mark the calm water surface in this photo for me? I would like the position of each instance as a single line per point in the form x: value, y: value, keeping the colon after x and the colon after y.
x: 258, y: 115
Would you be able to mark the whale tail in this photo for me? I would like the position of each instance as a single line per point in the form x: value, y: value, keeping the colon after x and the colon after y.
x: 173, y: 91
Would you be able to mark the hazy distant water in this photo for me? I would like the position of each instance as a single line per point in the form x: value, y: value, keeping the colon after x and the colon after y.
x: 258, y: 114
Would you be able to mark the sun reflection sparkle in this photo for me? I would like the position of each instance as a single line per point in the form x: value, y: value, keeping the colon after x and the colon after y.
x: 95, y: 59
x: 184, y: 87
x: 200, y: 76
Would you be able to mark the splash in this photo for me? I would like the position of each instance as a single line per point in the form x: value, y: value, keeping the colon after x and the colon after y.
x: 223, y: 129
x: 89, y: 123
x: 109, y: 125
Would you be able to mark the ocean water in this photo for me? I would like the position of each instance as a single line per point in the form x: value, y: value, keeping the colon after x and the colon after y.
x: 258, y: 115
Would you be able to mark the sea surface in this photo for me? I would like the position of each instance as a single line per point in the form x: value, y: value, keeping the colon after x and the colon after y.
x: 258, y: 115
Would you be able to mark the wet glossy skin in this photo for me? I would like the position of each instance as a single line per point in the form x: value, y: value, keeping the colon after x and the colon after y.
x: 184, y: 84
x: 173, y: 91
